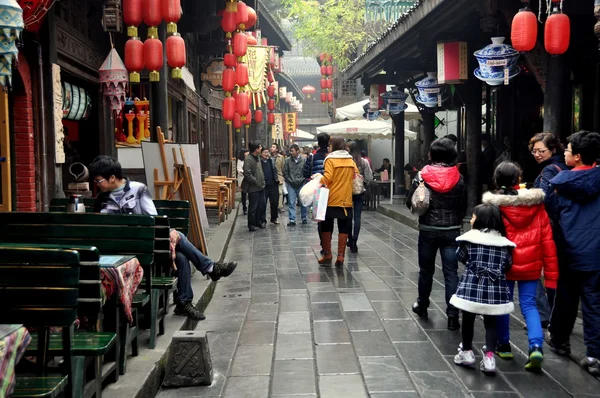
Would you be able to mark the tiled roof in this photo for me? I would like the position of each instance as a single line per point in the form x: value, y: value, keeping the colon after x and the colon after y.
x: 301, y: 66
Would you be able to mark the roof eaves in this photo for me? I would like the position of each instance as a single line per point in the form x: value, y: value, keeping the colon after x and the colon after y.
x: 268, y: 18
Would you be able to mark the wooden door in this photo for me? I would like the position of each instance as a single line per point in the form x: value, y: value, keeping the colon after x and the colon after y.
x: 5, y: 182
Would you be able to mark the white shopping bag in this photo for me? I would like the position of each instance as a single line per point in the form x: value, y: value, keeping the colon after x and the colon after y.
x: 284, y: 189
x: 320, y: 204
x: 307, y: 193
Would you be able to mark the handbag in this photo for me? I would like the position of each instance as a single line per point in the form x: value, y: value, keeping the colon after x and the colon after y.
x: 358, y: 184
x: 419, y: 202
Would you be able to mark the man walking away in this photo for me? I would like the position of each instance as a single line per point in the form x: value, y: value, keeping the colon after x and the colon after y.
x: 278, y: 160
x: 254, y: 185
x: 293, y: 172
x: 271, y: 186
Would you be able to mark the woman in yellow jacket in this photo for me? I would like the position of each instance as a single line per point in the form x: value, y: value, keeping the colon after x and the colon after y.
x: 339, y: 172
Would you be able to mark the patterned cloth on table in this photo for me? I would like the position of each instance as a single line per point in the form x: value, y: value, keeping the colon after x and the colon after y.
x: 12, y: 347
x: 123, y: 280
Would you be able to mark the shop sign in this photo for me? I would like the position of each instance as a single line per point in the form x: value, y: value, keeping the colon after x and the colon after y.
x: 277, y: 127
x: 290, y: 122
x: 452, y: 62
x: 213, y: 74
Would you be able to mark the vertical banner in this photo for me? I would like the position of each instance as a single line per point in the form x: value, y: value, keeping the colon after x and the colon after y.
x: 277, y: 127
x: 290, y: 123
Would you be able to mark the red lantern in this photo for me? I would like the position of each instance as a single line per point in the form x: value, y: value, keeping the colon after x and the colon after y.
x: 271, y: 118
x: 237, y: 121
x: 153, y: 58
x: 230, y: 60
x: 248, y: 120
x: 228, y: 23
x: 134, y: 58
x: 132, y: 16
x: 329, y: 70
x: 228, y: 80
x: 258, y: 116
x: 241, y: 74
x: 322, y: 57
x: 171, y: 13
x: 251, y: 17
x: 557, y: 33
x: 309, y: 90
x: 271, y: 91
x: 524, y: 30
x: 329, y: 83
x: 242, y: 104
x: 271, y: 104
x: 323, y: 70
x: 330, y: 97
x: 323, y: 84
x: 152, y: 15
x: 240, y: 44
x: 323, y: 97
x: 251, y: 39
x: 228, y: 109
x: 241, y: 16
x: 270, y: 76
x: 176, y: 56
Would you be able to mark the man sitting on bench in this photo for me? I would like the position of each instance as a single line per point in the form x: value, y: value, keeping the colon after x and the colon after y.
x: 121, y: 196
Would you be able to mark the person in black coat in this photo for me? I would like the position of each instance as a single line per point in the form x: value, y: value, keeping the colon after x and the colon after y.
x: 271, y: 186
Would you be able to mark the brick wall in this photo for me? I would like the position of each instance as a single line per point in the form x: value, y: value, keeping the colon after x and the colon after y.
x: 23, y: 141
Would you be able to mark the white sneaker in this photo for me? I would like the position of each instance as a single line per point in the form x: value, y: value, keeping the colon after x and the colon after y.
x: 488, y: 364
x: 465, y: 358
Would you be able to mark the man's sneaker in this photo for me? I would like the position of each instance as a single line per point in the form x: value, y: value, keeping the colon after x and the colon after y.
x: 420, y: 311
x: 275, y: 222
x: 222, y: 270
x: 291, y: 224
x: 189, y: 310
x: 592, y: 365
x: 488, y: 364
x: 536, y: 357
x: 453, y: 323
x: 562, y: 349
x: 464, y: 358
x: 304, y: 222
x: 504, y: 351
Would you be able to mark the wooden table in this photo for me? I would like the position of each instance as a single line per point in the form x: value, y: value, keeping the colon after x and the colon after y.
x: 14, y: 340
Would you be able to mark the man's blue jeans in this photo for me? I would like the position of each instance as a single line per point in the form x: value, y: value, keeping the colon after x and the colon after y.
x: 292, y: 200
x: 186, y: 252
x: 527, y: 293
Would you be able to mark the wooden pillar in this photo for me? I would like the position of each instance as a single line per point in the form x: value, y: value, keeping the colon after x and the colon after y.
x: 554, y: 98
x: 428, y: 133
x: 472, y: 98
x: 185, y: 121
x: 399, y: 160
x: 160, y: 99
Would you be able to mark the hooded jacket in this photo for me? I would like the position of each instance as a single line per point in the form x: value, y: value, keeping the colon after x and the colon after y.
x: 550, y: 168
x: 575, y: 208
x: 528, y: 226
x: 448, y: 199
x: 136, y: 199
x: 339, y: 172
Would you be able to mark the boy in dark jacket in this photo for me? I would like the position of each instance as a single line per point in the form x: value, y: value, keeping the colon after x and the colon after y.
x: 440, y: 226
x: 575, y: 207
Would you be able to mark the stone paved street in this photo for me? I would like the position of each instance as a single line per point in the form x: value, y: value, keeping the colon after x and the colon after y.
x: 283, y: 326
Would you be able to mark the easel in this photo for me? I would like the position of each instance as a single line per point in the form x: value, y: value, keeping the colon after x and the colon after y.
x: 168, y: 185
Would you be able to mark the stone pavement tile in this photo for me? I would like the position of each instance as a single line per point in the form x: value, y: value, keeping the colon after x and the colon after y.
x: 292, y: 283
x: 293, y: 292
x: 535, y: 385
x: 263, y: 260
x: 293, y: 303
x: 336, y: 359
x: 291, y: 273
x: 475, y: 380
x: 373, y: 344
x: 447, y: 342
x: 365, y: 276
x: 263, y: 269
x: 396, y: 394
x: 293, y: 377
x: 264, y: 298
x: 320, y: 287
x: 324, y: 297
x: 571, y: 376
x: 222, y: 308
x: 382, y: 295
x: 294, y: 346
x: 398, y: 281
x: 347, y: 386
x: 331, y: 332
x: 262, y: 313
x: 222, y: 344
x: 294, y: 322
x: 437, y: 320
x: 355, y: 302
x: 421, y: 357
x: 486, y: 394
x: 438, y: 384
x: 252, y: 360
x: 314, y: 276
x: 390, y: 310
x: 376, y: 285
x: 247, y: 387
x: 232, y: 323
x: 385, y: 271
x: 257, y: 333
x: 385, y: 374
x: 265, y: 288
x: 363, y: 320
x: 264, y: 278
x: 404, y: 330
x: 326, y: 312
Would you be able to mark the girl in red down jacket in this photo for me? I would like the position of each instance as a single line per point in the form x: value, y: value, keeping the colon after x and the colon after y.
x: 528, y: 226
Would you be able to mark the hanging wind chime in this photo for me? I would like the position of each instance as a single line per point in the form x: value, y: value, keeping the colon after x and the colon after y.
x: 11, y: 26
x: 113, y: 80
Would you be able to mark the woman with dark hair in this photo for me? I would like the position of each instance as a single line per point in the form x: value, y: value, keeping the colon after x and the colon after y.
x: 339, y: 172
x: 440, y: 225
x: 358, y: 200
x: 528, y: 226
x: 240, y: 176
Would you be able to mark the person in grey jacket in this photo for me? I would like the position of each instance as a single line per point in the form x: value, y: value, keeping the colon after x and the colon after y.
x: 119, y: 195
x: 293, y: 173
x: 254, y: 185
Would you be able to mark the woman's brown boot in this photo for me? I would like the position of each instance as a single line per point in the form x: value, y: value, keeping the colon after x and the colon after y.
x: 327, y: 257
x: 342, y: 239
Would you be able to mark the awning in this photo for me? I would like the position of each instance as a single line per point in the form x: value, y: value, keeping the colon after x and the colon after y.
x: 360, y: 129
x: 355, y: 111
x: 302, y: 135
x: 188, y: 79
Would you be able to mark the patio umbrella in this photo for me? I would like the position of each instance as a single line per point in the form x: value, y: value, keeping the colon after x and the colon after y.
x: 356, y: 110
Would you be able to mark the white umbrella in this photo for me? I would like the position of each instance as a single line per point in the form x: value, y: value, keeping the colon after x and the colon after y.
x: 355, y: 111
x: 358, y: 129
x: 303, y: 135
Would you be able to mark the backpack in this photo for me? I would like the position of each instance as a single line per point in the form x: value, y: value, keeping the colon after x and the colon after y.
x: 419, y: 202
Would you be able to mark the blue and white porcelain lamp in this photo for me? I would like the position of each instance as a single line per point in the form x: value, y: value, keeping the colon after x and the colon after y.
x: 496, y: 61
x: 430, y: 92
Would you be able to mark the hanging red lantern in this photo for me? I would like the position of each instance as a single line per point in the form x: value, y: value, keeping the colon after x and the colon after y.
x: 271, y: 118
x: 228, y: 23
x: 230, y: 60
x: 258, y: 116
x: 322, y: 57
x: 134, y: 58
x: 323, y: 70
x: 329, y: 70
x: 241, y: 74
x: 242, y: 104
x: 240, y: 44
x: 152, y: 15
x: 237, y: 122
x: 329, y: 83
x: 270, y: 76
x: 323, y: 97
x: 557, y: 33
x: 132, y: 16
x: 228, y: 80
x: 330, y: 97
x: 309, y: 90
x: 176, y: 56
x: 271, y: 91
x: 248, y: 120
x: 171, y: 13
x: 251, y: 17
x: 271, y: 104
x: 524, y: 30
x: 251, y: 39
x: 323, y: 84
x: 153, y: 58
x: 228, y: 109
x: 241, y: 16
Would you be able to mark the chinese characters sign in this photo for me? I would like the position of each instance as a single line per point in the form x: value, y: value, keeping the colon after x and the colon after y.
x: 290, y: 123
x: 277, y: 127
